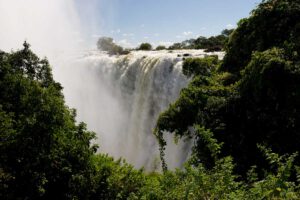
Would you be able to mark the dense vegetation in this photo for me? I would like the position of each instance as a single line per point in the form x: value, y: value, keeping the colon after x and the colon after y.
x: 160, y: 47
x: 213, y: 43
x: 239, y: 111
x: 210, y: 44
x: 43, y: 152
x: 272, y: 24
x: 145, y: 47
x: 251, y: 98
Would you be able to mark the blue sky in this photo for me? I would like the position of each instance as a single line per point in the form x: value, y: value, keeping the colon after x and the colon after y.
x: 131, y: 22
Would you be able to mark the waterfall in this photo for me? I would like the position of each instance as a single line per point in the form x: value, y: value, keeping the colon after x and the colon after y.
x: 121, y: 97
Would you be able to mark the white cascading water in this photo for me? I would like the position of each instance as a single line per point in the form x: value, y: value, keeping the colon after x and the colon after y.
x: 121, y: 97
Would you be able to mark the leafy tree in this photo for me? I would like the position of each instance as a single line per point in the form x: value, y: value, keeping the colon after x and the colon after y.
x: 44, y: 154
x: 275, y: 23
x: 227, y: 32
x: 199, y: 66
x: 214, y: 43
x: 176, y: 46
x: 160, y: 47
x: 256, y: 105
x: 116, y: 179
x: 145, y: 47
x: 187, y: 44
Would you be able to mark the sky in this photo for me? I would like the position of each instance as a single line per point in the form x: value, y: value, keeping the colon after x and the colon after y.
x: 54, y: 27
x: 160, y: 22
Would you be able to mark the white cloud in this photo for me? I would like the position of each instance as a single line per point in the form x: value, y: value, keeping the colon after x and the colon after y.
x: 117, y: 31
x: 230, y: 26
x: 96, y: 35
x: 128, y: 34
x: 146, y: 37
x: 187, y: 33
x: 125, y: 43
x: 184, y: 34
x: 156, y: 34
x: 165, y: 43
x: 51, y: 27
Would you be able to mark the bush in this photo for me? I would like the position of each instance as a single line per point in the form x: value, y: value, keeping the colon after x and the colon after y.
x: 145, y: 47
x: 158, y: 48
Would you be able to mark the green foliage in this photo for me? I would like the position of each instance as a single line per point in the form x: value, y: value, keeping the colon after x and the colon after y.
x: 116, y: 179
x: 227, y: 32
x: 196, y: 181
x: 145, y: 47
x: 203, y: 92
x: 255, y: 101
x: 264, y: 111
x: 276, y: 185
x: 199, y: 66
x: 207, y: 149
x: 160, y: 47
x: 178, y: 45
x: 260, y: 107
x: 44, y: 154
x: 211, y: 43
x: 275, y: 23
x: 200, y: 183
x: 214, y: 43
